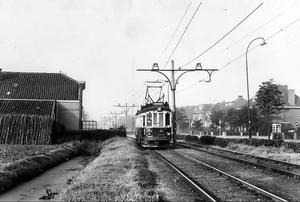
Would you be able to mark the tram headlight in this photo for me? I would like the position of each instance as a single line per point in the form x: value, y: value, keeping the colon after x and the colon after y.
x: 149, y: 133
x: 168, y: 133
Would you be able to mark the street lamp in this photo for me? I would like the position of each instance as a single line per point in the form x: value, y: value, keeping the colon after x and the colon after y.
x: 249, y: 116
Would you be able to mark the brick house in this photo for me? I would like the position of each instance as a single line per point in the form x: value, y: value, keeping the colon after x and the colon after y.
x: 53, y: 95
x: 291, y: 110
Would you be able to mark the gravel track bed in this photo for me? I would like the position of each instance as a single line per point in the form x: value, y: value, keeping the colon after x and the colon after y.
x: 283, y: 186
x: 218, y: 185
x: 170, y: 186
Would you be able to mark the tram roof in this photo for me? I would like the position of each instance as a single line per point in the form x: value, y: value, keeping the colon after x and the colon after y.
x: 154, y: 106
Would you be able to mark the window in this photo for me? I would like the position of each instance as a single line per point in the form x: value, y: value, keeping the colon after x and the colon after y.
x: 155, y: 123
x: 149, y: 119
x: 144, y: 123
x: 167, y: 119
x: 161, y: 119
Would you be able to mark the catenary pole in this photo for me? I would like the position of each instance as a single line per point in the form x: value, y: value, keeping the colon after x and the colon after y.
x: 173, y: 82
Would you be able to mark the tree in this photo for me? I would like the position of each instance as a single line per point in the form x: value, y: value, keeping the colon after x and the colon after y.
x: 216, y: 116
x: 269, y: 100
x: 197, y: 125
x: 181, y: 118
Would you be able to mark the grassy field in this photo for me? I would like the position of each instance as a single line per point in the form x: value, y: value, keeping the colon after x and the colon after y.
x: 120, y: 173
x: 10, y: 153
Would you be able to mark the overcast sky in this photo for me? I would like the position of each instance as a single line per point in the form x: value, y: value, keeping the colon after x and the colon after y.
x: 104, y: 42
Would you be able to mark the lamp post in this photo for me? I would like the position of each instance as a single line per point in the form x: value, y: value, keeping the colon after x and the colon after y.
x: 249, y: 114
x: 173, y: 83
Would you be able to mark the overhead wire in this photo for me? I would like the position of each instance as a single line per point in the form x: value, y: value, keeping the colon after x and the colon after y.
x: 248, y: 34
x: 183, y: 34
x: 175, y: 31
x: 273, y: 35
x: 166, y: 47
x: 221, y: 37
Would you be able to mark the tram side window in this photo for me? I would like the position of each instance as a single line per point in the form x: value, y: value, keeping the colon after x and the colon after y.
x: 149, y: 119
x: 144, y: 123
x: 161, y: 119
x: 167, y: 119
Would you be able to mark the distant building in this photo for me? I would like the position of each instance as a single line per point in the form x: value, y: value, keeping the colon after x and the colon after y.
x: 202, y: 113
x: 291, y: 112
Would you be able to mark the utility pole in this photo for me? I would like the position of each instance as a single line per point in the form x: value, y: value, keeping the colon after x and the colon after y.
x: 116, y: 120
x: 173, y: 82
x: 126, y: 108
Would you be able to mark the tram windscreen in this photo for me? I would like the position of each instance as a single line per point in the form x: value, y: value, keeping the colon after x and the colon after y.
x: 149, y: 119
x: 161, y: 119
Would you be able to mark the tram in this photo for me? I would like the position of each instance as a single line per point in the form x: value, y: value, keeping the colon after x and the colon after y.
x: 153, y: 122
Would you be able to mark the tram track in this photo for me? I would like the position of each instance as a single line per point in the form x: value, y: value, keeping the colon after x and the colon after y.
x: 260, y: 183
x: 281, y: 167
x: 210, y: 182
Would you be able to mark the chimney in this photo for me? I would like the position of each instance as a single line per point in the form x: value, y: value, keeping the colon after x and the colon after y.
x: 240, y: 97
x: 291, y: 97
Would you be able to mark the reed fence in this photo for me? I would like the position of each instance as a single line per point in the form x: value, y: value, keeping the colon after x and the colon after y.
x: 26, y: 129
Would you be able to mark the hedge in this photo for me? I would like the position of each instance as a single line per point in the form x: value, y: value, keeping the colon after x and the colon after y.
x: 92, y: 135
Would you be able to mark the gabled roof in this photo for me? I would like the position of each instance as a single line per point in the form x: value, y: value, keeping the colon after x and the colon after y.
x: 45, y: 86
x: 237, y: 103
x: 28, y: 107
x: 203, y: 108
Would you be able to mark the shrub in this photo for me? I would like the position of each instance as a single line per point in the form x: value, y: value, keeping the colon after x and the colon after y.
x: 207, y: 139
x: 91, y: 135
x: 191, y: 138
x: 224, y: 142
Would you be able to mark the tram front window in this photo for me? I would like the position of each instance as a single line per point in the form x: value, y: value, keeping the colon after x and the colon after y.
x: 149, y: 119
x: 161, y: 119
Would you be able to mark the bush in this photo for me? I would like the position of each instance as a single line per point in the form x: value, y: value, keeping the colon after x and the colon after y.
x: 191, y: 138
x: 90, y: 135
x: 207, y: 139
x: 224, y: 142
x: 294, y: 146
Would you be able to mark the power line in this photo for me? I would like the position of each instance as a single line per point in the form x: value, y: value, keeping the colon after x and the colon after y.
x: 175, y: 31
x: 167, y: 45
x: 248, y: 34
x: 183, y: 34
x: 245, y: 53
x: 222, y: 37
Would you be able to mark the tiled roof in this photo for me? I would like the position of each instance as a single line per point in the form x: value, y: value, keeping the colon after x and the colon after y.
x: 46, y: 86
x: 28, y: 107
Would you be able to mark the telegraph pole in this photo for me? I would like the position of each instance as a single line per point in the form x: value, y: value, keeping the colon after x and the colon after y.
x: 116, y: 120
x: 126, y: 108
x: 173, y: 82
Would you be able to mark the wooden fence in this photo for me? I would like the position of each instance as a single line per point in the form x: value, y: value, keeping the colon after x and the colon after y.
x: 25, y: 129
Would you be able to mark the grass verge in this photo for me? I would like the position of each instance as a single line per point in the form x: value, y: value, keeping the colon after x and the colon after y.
x: 120, y: 173
x: 279, y: 153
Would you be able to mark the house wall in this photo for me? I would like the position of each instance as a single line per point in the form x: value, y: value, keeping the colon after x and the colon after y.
x: 69, y: 114
x: 291, y: 115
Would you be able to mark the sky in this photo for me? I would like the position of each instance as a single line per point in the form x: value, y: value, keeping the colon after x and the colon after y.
x: 104, y: 42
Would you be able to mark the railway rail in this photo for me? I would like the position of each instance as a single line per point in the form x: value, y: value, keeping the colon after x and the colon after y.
x: 281, y: 167
x: 211, y: 183
x: 258, y: 182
